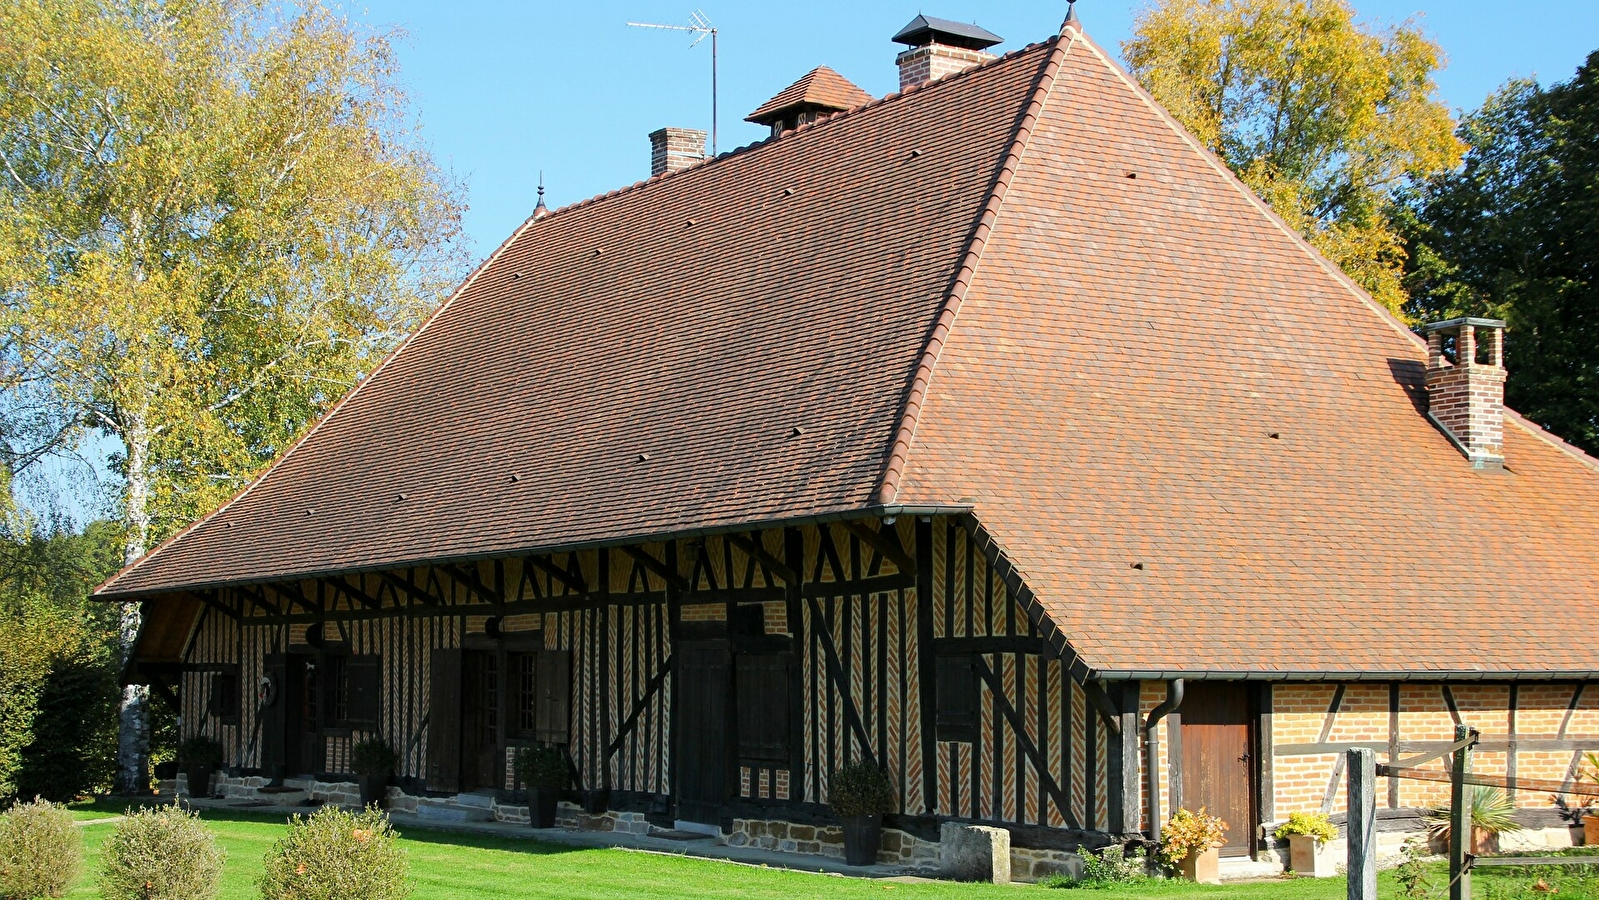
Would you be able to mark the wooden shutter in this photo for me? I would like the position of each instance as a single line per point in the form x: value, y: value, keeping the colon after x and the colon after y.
x: 554, y: 685
x: 762, y: 680
x: 223, y: 702
x: 957, y: 699
x: 444, y: 721
x: 363, y: 675
x: 273, y: 717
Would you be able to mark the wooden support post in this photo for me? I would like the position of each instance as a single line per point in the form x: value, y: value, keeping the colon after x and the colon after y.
x: 1460, y: 819
x: 1362, y: 828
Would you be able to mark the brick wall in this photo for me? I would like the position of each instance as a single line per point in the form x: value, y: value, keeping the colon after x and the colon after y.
x: 920, y: 65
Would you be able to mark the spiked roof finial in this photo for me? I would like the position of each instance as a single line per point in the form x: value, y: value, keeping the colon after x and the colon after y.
x: 541, y: 210
x: 1071, y: 16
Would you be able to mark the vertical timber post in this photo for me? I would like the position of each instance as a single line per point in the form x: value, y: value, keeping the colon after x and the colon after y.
x: 1460, y: 818
x: 1362, y: 829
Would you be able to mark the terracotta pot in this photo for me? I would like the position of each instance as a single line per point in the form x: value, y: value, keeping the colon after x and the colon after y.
x: 1590, y: 830
x: 1310, y: 857
x: 863, y: 835
x: 541, y: 806
x: 1203, y: 867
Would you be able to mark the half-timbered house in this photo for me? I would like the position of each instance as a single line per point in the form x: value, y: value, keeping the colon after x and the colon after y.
x: 990, y: 431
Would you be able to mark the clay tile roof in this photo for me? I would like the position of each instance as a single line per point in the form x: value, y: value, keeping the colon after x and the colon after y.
x: 820, y: 88
x: 1203, y: 449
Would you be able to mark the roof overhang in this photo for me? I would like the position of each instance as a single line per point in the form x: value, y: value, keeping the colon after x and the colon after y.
x: 883, y: 511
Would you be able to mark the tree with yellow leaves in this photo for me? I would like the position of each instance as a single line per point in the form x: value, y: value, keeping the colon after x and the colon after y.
x: 215, y: 217
x: 1324, y: 117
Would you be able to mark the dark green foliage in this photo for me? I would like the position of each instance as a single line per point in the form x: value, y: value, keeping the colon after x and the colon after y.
x: 543, y: 766
x: 200, y: 752
x: 860, y: 789
x: 73, y: 752
x: 1514, y: 234
x: 41, y: 851
x: 373, y: 756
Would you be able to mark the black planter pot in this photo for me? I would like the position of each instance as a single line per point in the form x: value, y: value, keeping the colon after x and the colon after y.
x: 374, y: 789
x: 863, y: 835
x: 541, y: 806
x: 200, y: 780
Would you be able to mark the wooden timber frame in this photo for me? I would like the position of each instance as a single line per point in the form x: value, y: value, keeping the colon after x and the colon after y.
x: 866, y: 608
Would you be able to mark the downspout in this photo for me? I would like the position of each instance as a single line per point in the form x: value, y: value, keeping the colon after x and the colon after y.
x: 1174, y: 699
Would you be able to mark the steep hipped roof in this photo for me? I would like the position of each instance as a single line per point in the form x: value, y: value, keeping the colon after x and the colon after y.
x: 640, y: 363
x: 1203, y: 447
x: 820, y: 88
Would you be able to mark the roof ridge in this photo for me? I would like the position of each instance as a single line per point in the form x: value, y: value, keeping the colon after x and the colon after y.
x: 788, y: 134
x: 916, y: 390
x: 328, y: 414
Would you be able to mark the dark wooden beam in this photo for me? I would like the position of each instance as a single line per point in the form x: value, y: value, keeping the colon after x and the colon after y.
x: 752, y: 548
x: 258, y: 597
x: 356, y: 595
x: 573, y: 582
x: 659, y: 568
x: 405, y: 586
x: 1102, y: 704
x: 290, y: 592
x: 883, y: 543
x: 216, y: 605
x: 835, y: 672
x: 466, y: 574
x: 1025, y: 743
x: 639, y: 706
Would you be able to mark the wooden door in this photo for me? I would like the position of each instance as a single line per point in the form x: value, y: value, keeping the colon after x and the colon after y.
x: 480, y: 721
x: 271, y: 707
x: 302, y: 743
x: 1218, y: 762
x: 701, y: 731
x: 444, y: 720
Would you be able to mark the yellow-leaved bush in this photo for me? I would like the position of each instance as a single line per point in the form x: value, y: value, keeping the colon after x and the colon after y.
x: 337, y: 855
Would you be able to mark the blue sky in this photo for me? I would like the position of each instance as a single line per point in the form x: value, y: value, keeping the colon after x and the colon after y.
x: 504, y: 90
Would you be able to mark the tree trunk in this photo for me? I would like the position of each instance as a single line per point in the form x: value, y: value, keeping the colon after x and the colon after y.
x: 133, y: 720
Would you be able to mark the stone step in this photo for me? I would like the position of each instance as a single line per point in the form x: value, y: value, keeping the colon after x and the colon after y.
x: 476, y: 801
x: 446, y: 811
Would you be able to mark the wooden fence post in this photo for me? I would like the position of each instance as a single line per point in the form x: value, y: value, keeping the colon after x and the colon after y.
x: 1362, y: 828
x: 1460, y: 819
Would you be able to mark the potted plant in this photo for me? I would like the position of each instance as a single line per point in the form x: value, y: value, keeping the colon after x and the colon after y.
x: 1492, y: 813
x: 198, y: 758
x: 1590, y: 821
x: 860, y: 793
x: 1190, y: 844
x: 544, y: 772
x: 1309, y: 837
x: 373, y: 761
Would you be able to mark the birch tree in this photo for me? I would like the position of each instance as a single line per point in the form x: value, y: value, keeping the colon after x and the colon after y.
x: 215, y: 216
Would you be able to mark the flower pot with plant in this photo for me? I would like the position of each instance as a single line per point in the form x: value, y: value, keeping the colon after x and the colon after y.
x: 1309, y: 837
x: 373, y: 760
x: 544, y: 772
x: 1492, y: 813
x: 1590, y: 819
x: 1190, y: 844
x: 198, y: 758
x: 860, y: 793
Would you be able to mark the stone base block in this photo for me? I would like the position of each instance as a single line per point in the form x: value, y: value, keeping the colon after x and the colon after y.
x: 974, y: 853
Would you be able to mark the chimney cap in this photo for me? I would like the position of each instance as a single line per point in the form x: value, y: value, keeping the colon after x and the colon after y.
x: 924, y: 30
x: 1452, y: 324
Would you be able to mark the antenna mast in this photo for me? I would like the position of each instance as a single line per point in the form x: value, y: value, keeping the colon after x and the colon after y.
x: 701, y: 26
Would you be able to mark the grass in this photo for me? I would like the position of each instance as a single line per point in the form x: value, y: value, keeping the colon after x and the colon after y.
x: 468, y: 867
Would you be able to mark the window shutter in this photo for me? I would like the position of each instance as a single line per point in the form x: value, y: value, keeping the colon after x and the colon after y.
x: 224, y: 700
x: 363, y: 675
x: 444, y: 721
x: 957, y: 699
x: 554, y: 685
x: 762, y: 681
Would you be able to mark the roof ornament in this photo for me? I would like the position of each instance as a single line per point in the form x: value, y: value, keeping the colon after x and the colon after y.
x: 1071, y: 16
x: 541, y: 210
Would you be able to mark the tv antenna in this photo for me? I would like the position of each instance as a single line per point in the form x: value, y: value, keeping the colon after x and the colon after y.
x: 699, y: 25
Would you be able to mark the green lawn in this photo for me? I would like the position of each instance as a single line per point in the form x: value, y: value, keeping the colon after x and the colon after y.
x: 456, y: 867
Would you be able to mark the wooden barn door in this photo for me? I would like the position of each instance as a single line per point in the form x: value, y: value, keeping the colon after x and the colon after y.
x: 480, y: 721
x: 701, y: 730
x: 1218, y: 765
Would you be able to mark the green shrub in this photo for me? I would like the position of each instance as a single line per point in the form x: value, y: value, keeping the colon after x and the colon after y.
x: 860, y: 789
x: 543, y: 767
x: 40, y: 851
x: 160, y: 853
x: 1316, y: 825
x: 200, y: 752
x: 373, y: 756
x: 336, y: 855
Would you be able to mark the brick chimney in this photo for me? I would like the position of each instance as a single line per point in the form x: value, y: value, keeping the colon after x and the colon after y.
x: 1466, y: 386
x: 939, y: 48
x: 675, y: 149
